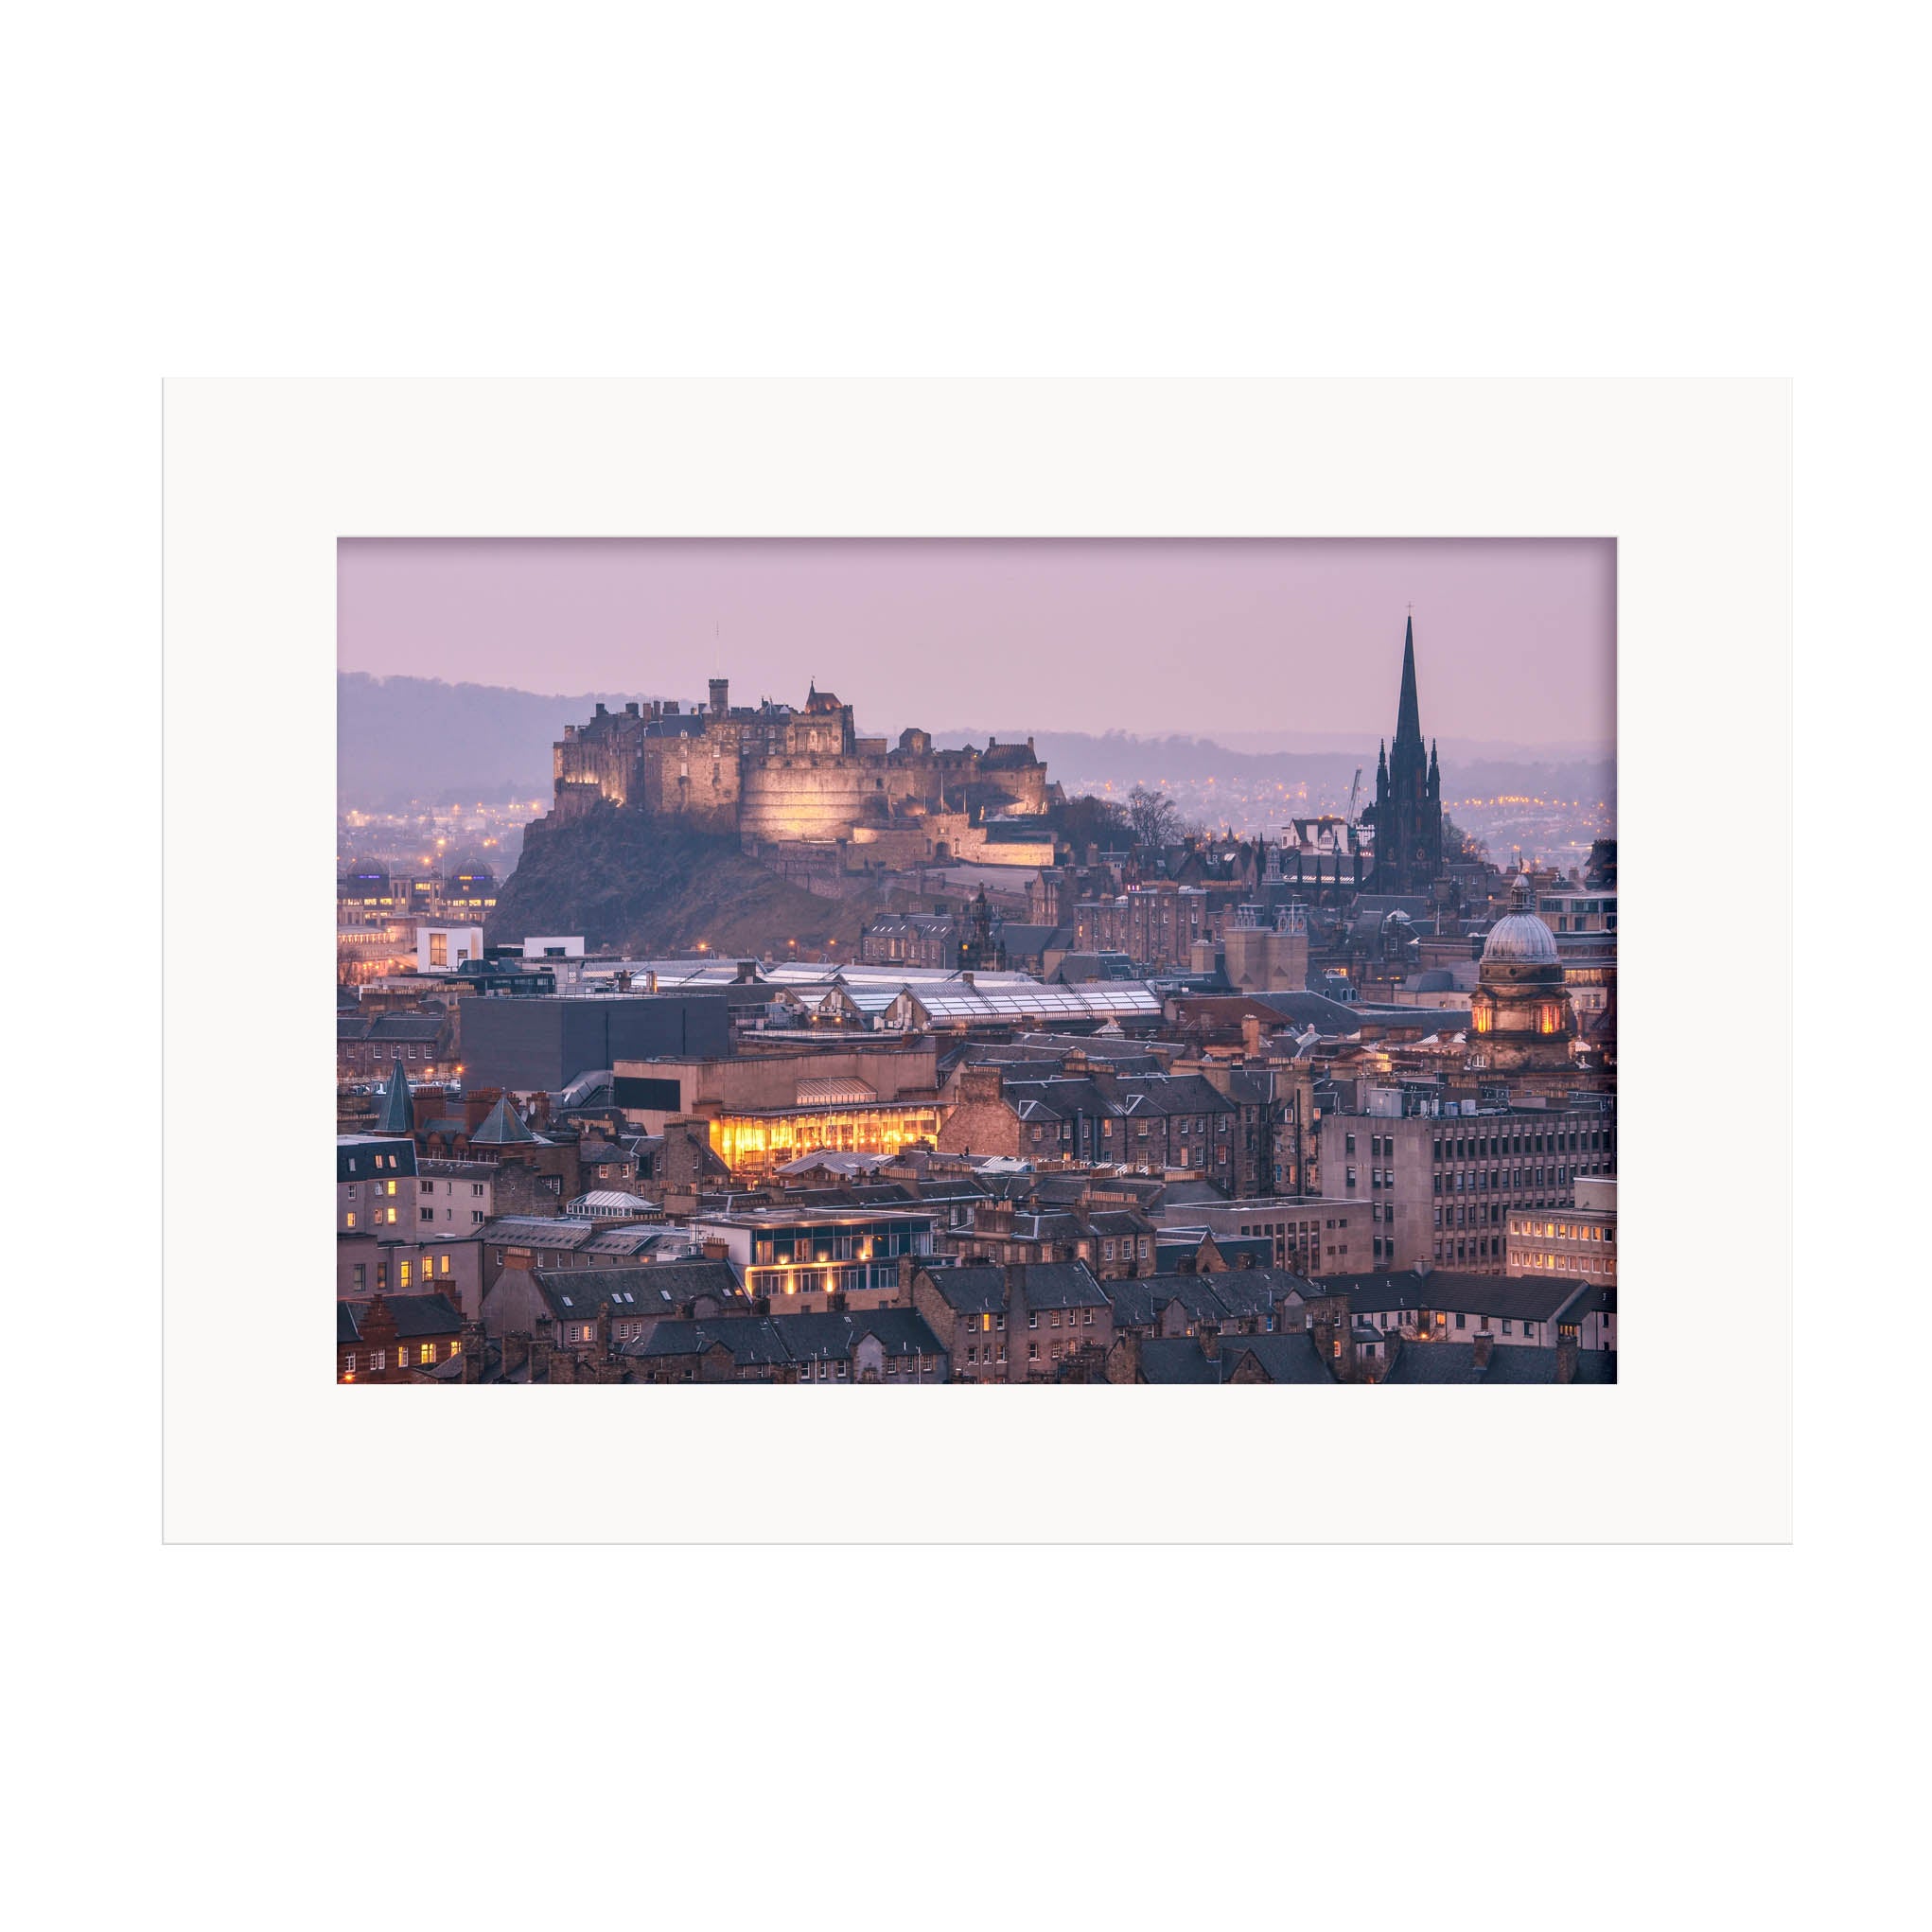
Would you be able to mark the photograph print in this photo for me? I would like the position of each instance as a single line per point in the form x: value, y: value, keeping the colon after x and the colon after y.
x: 923, y: 963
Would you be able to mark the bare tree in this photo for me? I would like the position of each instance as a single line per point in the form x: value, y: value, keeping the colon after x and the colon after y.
x: 1155, y: 817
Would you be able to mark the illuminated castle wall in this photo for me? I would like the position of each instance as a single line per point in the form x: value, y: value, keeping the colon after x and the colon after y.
x: 772, y: 773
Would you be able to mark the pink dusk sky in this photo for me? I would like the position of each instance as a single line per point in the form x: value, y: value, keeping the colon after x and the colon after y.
x: 1515, y: 641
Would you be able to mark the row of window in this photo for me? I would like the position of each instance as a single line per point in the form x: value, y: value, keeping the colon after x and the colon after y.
x: 430, y: 1266
x: 1394, y: 1319
x: 1563, y: 1230
x: 378, y: 1160
x: 994, y: 1323
x: 995, y: 1353
x: 476, y: 1214
x: 376, y: 1360
x: 1493, y: 1146
x: 1567, y: 1264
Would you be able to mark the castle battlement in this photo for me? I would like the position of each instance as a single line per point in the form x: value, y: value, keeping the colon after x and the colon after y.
x: 772, y: 773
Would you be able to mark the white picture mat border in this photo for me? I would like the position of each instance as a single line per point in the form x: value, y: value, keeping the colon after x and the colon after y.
x: 1692, y: 478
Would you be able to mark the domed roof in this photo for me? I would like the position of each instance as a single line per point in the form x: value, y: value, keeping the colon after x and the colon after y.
x: 1519, y: 938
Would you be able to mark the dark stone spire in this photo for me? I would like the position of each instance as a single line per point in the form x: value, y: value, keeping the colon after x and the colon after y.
x: 1408, y: 823
x: 1409, y: 712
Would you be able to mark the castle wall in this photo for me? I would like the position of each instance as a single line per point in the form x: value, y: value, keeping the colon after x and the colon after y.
x: 774, y: 776
x: 598, y: 763
x: 695, y: 780
x: 808, y: 798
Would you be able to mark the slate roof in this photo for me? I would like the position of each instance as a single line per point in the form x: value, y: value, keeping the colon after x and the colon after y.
x: 1062, y: 1284
x: 599, y: 1153
x: 1528, y: 1298
x: 396, y: 1116
x: 1332, y: 1018
x: 898, y: 1331
x: 536, y: 1231
x: 1031, y: 941
x: 504, y: 1128
x: 1177, y: 1360
x: 753, y: 1341
x: 1170, y: 1094
x: 970, y: 1290
x: 1454, y: 1362
x: 1249, y: 1292
x: 575, y: 1294
x: 416, y: 1317
x: 1195, y: 1293
x: 1280, y: 1358
x: 405, y: 1028
x: 1600, y: 1298
x: 358, y: 1156
x: 778, y: 1340
x: 1181, y: 1193
x: 1133, y: 1302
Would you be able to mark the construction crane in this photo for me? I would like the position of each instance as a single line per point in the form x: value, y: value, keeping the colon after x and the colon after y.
x: 1353, y: 790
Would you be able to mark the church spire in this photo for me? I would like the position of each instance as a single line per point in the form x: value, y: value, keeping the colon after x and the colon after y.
x: 1409, y: 712
x: 396, y: 1116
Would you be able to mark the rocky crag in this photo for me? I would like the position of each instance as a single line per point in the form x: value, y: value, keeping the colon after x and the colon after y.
x: 629, y: 884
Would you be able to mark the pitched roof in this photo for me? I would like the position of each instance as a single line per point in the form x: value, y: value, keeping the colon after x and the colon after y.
x: 396, y: 1116
x: 1280, y: 1358
x: 504, y: 1128
x: 364, y: 1156
x: 1060, y: 1284
x: 1179, y: 1360
x: 753, y: 1340
x: 1524, y: 1299
x: 970, y: 1290
x: 575, y: 1294
x: 1133, y: 1301
x: 416, y: 1316
x: 1456, y: 1362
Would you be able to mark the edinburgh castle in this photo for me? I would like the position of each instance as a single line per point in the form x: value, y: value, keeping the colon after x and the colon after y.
x: 773, y: 774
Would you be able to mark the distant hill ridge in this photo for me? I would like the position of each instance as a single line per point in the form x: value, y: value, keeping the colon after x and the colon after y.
x: 403, y: 738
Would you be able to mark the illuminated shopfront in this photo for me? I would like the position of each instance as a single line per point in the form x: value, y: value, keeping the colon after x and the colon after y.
x: 752, y: 1144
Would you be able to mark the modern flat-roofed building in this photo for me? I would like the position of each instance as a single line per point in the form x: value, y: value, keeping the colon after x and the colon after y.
x: 1578, y: 1241
x: 540, y: 1044
x: 800, y: 1257
x: 1441, y: 1176
x: 763, y: 1110
x: 447, y: 948
x: 1310, y: 1234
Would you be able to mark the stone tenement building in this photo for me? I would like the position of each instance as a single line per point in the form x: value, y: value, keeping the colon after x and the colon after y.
x: 771, y: 773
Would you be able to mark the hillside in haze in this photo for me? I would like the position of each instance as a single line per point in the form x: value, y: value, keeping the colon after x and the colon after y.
x: 417, y: 738
x: 404, y: 738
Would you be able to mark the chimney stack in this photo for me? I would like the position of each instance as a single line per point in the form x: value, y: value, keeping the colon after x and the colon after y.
x: 1566, y: 1358
x: 1482, y: 1346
